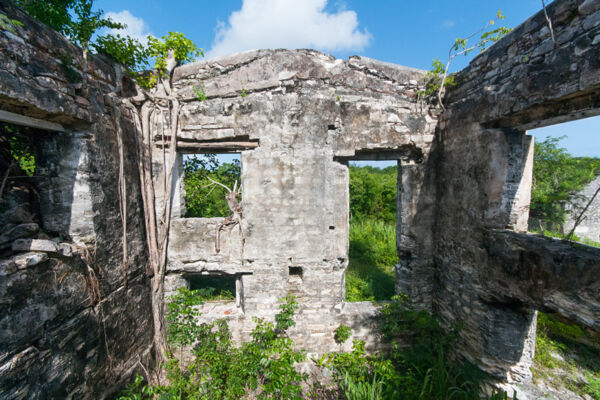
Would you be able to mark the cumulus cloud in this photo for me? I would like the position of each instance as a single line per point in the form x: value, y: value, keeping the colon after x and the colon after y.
x: 290, y: 24
x: 136, y: 27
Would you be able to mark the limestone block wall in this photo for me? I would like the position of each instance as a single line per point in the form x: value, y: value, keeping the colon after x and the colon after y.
x: 589, y: 227
x: 60, y: 337
x: 303, y: 116
x: 483, y: 183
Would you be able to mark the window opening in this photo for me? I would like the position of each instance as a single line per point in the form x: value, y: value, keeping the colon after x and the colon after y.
x: 214, y: 287
x: 205, y: 179
x: 565, y: 195
x: 19, y: 191
x: 372, y: 253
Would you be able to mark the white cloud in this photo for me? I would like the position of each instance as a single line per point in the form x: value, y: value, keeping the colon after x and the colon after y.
x: 290, y: 24
x: 448, y: 23
x: 136, y: 27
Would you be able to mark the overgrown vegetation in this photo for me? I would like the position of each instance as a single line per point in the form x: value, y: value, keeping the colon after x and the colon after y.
x: 266, y: 367
x: 202, y: 197
x: 438, y: 78
x: 262, y: 368
x: 421, y: 369
x: 567, y: 357
x: 211, y: 288
x: 372, y: 254
x: 20, y: 148
x: 557, y: 176
x: 77, y: 21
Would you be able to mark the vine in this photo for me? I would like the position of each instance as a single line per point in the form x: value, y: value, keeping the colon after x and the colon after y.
x: 437, y: 79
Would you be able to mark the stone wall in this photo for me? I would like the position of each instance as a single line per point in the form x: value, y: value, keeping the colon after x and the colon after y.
x: 296, y: 117
x: 589, y: 226
x: 60, y: 335
x: 303, y: 117
x: 494, y: 282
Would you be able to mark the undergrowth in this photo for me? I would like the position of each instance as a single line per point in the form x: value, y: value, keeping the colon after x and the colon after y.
x: 567, y: 357
x: 372, y: 256
x: 266, y: 367
x: 574, y: 238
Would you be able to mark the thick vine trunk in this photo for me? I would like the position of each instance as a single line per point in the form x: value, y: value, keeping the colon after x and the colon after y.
x: 157, y: 232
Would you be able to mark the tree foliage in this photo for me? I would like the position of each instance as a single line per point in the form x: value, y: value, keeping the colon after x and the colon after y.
x: 373, y: 193
x: 78, y: 21
x: 557, y: 176
x: 75, y: 19
x: 202, y: 198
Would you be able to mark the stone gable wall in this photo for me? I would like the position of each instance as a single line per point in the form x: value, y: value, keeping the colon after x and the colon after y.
x: 307, y: 114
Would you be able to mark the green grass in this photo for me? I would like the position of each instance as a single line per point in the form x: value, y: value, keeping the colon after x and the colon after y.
x: 372, y: 256
x: 567, y: 357
x: 574, y: 238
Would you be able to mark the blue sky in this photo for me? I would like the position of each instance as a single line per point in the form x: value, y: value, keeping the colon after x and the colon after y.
x: 406, y: 32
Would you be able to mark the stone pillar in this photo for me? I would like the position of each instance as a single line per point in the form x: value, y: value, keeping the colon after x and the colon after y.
x: 414, y: 224
x: 66, y: 192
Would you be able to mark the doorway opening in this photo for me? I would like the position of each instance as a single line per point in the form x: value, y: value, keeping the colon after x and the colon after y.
x: 372, y: 237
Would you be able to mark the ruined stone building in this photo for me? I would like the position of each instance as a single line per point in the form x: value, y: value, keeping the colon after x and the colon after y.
x: 75, y: 293
x: 588, y: 226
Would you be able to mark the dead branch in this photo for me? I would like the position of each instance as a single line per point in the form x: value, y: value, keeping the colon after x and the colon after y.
x: 5, y: 178
x: 235, y: 218
x: 549, y: 22
x: 220, y: 184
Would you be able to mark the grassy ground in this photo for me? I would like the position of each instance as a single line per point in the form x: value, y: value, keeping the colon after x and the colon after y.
x: 567, y: 357
x: 370, y: 274
x: 574, y: 238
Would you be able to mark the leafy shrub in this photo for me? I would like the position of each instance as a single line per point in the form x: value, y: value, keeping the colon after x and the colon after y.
x: 184, y: 50
x: 265, y: 366
x: 342, y: 333
x: 20, y: 149
x: 373, y: 193
x: 424, y: 369
x: 125, y: 50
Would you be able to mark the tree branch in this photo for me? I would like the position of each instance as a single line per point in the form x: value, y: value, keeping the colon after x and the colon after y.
x: 579, y: 218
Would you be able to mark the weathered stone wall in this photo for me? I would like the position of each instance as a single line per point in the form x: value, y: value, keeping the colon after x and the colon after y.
x: 296, y: 117
x: 494, y: 282
x: 589, y: 226
x: 58, y: 337
x: 308, y: 113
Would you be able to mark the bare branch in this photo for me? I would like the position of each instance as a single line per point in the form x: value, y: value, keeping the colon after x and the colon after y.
x: 549, y: 21
x: 580, y: 217
x: 4, y: 179
x: 219, y: 183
